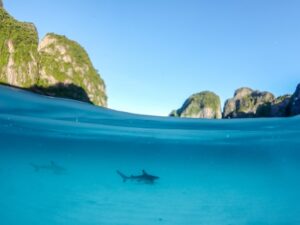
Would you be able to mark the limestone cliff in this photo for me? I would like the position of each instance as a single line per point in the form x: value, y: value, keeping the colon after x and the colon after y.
x: 65, y: 61
x: 205, y: 104
x: 18, y: 51
x: 280, y: 106
x: 248, y: 103
x: 57, y: 66
x: 295, y: 102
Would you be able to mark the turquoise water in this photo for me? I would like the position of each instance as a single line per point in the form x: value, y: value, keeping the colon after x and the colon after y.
x: 211, y: 172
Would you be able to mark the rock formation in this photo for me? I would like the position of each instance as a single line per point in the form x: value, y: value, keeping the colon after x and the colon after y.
x: 247, y: 103
x: 19, y: 56
x: 57, y: 66
x: 65, y: 61
x: 201, y: 105
x: 295, y: 102
x: 280, y: 106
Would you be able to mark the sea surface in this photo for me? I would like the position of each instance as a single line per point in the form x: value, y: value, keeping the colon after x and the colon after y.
x: 58, y: 162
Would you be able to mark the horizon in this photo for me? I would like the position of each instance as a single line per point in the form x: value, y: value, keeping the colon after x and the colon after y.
x: 143, y: 46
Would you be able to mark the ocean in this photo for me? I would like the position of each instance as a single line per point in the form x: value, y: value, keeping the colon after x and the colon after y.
x: 58, y: 163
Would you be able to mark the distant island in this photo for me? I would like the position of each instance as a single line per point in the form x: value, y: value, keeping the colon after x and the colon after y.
x: 246, y: 103
x: 57, y: 66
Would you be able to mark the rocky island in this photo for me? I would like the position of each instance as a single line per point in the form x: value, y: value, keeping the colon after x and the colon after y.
x: 246, y: 103
x: 57, y: 66
x: 205, y: 104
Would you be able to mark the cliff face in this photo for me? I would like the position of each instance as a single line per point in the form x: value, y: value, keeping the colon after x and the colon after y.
x: 280, y: 106
x: 18, y: 51
x: 295, y: 102
x: 247, y: 103
x: 57, y: 66
x: 65, y: 61
x: 201, y: 105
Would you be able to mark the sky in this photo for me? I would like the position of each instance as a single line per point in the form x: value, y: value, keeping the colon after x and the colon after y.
x: 154, y: 54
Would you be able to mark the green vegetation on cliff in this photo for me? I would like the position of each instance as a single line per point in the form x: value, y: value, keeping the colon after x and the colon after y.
x: 205, y: 104
x: 57, y: 66
x: 65, y: 61
x: 248, y: 103
x: 18, y: 51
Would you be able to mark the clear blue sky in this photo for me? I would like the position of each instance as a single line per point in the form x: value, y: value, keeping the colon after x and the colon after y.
x: 154, y: 54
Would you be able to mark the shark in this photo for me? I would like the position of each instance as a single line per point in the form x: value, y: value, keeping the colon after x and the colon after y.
x: 54, y: 167
x: 144, y: 177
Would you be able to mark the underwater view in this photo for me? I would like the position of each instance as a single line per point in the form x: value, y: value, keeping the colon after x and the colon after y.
x: 67, y: 162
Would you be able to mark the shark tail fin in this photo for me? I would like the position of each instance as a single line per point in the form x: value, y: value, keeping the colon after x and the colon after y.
x: 35, y: 167
x: 123, y: 176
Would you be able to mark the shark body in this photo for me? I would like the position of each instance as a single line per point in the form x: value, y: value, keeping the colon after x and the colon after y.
x: 54, y: 167
x: 145, y: 177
